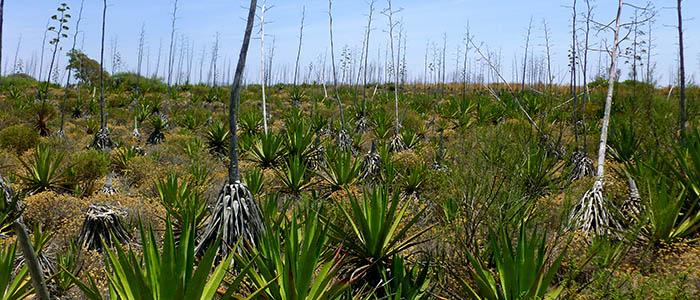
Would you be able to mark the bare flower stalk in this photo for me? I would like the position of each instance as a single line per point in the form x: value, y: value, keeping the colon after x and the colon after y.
x: 682, y: 116
x: 301, y: 36
x: 335, y: 74
x: 262, y: 64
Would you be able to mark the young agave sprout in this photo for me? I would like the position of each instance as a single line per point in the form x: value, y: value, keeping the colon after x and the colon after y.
x: 591, y: 213
x: 236, y: 216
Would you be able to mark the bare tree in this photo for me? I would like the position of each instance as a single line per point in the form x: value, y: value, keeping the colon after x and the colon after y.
x: 682, y: 116
x: 591, y: 213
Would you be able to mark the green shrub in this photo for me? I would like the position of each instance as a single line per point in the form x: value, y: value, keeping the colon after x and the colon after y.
x: 132, y: 81
x: 19, y: 138
x: 88, y: 166
x: 18, y: 80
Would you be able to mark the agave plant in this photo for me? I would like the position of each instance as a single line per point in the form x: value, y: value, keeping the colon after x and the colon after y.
x: 687, y: 157
x: 538, y: 173
x: 254, y: 180
x: 295, y: 176
x: 299, y: 137
x: 523, y: 271
x: 380, y: 229
x: 341, y: 169
x: 43, y: 114
x: 159, y: 124
x: 45, y: 171
x: 181, y: 200
x: 192, y: 120
x: 318, y: 123
x: 404, y: 282
x: 168, y: 272
x: 459, y: 111
x: 381, y: 124
x: 217, y: 138
x: 68, y: 263
x: 413, y: 180
x: 267, y: 150
x: 102, y: 140
x: 623, y: 143
x: 410, y: 138
x: 13, y: 285
x: 121, y: 157
x: 9, y: 206
x: 294, y: 265
x: 672, y: 213
x: 251, y: 123
x: 296, y: 96
x: 439, y: 161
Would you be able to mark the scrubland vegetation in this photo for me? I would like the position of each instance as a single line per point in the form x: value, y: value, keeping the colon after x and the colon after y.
x: 124, y: 186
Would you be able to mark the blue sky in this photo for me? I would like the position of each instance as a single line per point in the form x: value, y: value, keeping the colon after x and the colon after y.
x: 499, y: 24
